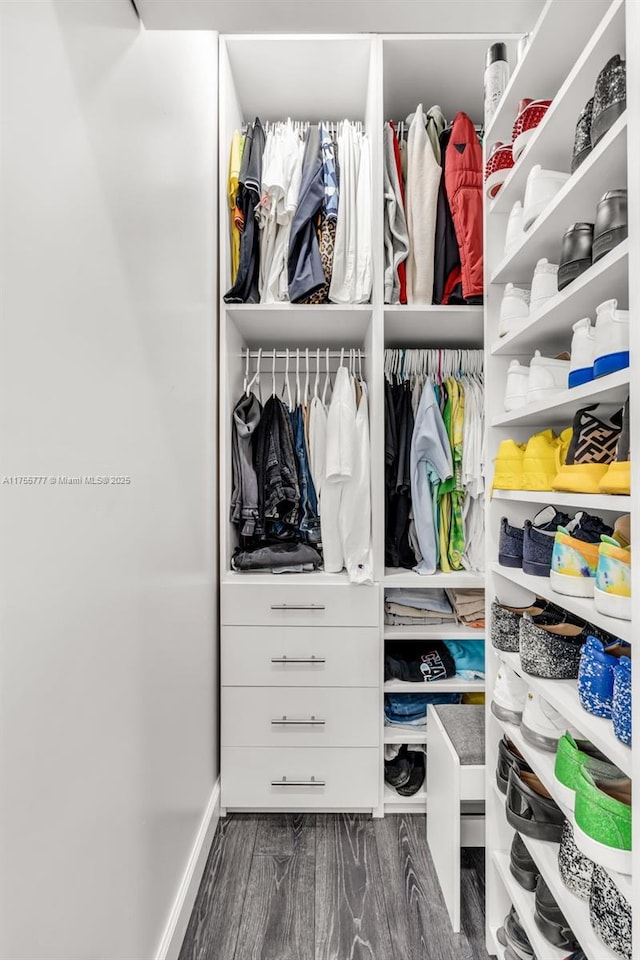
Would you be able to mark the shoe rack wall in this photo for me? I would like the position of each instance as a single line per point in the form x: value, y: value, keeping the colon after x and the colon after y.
x: 569, y: 83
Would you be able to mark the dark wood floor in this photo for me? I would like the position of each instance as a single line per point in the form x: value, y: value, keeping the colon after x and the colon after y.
x: 330, y: 887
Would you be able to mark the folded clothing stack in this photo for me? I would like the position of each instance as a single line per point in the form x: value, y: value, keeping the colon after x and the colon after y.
x: 468, y: 605
x: 417, y: 608
x: 427, y: 661
x: 410, y: 709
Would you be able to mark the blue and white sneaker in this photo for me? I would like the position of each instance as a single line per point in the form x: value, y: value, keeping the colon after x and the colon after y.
x: 595, y: 674
x: 621, y: 710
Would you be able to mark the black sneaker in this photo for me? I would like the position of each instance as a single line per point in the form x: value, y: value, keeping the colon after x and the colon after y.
x: 539, y: 534
x: 397, y: 772
x: 611, y: 226
x: 577, y: 253
x: 530, y: 809
x: 551, y: 921
x: 522, y: 865
x: 513, y: 936
x: 508, y: 756
x: 587, y: 528
x: 510, y: 545
x: 416, y: 776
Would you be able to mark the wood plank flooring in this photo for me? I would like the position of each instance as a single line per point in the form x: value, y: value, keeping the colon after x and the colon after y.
x: 330, y: 887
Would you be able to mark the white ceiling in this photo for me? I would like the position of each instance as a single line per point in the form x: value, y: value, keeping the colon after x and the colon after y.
x: 342, y: 16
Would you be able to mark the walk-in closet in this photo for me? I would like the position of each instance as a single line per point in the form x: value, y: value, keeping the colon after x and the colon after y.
x: 334, y: 651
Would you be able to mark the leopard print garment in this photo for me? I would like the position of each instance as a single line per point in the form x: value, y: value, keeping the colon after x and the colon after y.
x: 327, y: 241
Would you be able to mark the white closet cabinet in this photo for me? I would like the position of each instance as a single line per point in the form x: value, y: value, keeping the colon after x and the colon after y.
x: 562, y: 62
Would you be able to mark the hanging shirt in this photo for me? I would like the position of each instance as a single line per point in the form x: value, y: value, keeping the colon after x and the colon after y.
x: 423, y: 179
x: 396, y: 238
x: 235, y: 159
x: 355, y: 508
x: 245, y: 287
x: 430, y: 464
x: 304, y: 264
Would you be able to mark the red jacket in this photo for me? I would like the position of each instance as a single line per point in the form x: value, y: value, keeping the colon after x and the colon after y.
x: 463, y: 179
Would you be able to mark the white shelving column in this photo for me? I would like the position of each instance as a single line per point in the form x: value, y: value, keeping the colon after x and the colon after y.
x: 562, y: 62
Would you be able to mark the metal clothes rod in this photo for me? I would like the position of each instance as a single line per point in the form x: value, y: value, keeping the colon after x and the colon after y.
x: 313, y: 351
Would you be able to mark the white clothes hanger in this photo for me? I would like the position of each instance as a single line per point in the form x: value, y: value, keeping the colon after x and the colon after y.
x: 360, y: 364
x: 326, y: 381
x: 273, y: 373
x: 286, y: 377
x: 255, y: 380
x: 246, y: 374
x: 298, y: 398
x: 306, y: 377
x: 316, y: 382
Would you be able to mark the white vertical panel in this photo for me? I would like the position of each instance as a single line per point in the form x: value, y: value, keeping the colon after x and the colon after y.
x: 109, y: 665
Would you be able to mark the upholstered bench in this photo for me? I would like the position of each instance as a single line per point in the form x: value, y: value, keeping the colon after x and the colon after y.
x: 455, y: 793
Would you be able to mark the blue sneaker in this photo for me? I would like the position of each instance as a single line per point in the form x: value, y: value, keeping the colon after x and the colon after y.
x: 621, y: 711
x: 595, y: 674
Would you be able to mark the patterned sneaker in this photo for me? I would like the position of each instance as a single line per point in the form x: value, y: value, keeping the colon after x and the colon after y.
x: 617, y: 479
x: 612, y: 592
x: 592, y: 449
x: 505, y: 622
x: 621, y: 710
x: 575, y: 869
x: 610, y: 913
x: 603, y: 821
x: 551, y: 652
x: 571, y: 756
x: 596, y: 674
x: 574, y: 559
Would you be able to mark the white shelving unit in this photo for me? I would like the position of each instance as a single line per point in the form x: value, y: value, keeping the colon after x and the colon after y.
x: 397, y: 577
x: 452, y: 685
x: 561, y: 63
x: 444, y: 631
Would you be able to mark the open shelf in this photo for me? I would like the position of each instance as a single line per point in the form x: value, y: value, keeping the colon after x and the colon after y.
x: 613, y: 389
x: 551, y: 53
x: 413, y: 325
x: 405, y: 735
x: 399, y: 577
x: 442, y: 631
x: 582, y: 606
x: 543, y: 763
x: 604, y: 168
x: 551, y: 144
x: 604, y: 280
x: 285, y: 579
x: 563, y: 695
x: 451, y: 685
x: 394, y: 803
x: 588, y: 501
x: 525, y: 903
x: 300, y: 325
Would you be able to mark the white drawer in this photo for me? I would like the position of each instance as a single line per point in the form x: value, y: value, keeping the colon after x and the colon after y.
x: 300, y: 656
x: 303, y: 604
x: 300, y: 779
x: 300, y: 717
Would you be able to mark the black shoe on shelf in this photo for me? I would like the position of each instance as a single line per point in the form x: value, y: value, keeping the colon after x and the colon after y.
x: 551, y: 921
x: 522, y: 865
x: 416, y: 776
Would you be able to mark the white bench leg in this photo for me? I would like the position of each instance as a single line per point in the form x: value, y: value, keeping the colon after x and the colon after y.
x: 443, y: 814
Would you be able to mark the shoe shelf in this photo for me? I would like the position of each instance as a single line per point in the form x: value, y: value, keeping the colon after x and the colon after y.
x: 397, y: 734
x: 607, y: 278
x: 406, y: 325
x: 551, y: 53
x: 442, y: 631
x: 604, y: 169
x: 394, y: 803
x: 551, y: 144
x: 612, y: 389
x: 588, y: 501
x: 563, y: 695
x: 399, y: 577
x: 542, y: 763
x: 582, y: 606
x: 452, y: 685
x: 524, y: 901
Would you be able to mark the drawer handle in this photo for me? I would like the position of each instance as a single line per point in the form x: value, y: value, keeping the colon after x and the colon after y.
x: 287, y: 721
x: 297, y: 606
x: 285, y: 659
x: 298, y: 783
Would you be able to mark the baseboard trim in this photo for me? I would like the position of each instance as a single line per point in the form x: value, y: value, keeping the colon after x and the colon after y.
x: 176, y: 928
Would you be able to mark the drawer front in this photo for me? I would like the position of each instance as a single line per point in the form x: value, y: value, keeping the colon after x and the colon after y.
x: 300, y: 717
x: 300, y: 656
x: 296, y: 605
x: 313, y: 778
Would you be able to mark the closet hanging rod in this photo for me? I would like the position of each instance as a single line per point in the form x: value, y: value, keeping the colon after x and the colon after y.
x: 282, y: 354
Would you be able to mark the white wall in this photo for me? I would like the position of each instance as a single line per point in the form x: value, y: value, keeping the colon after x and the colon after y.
x: 109, y: 662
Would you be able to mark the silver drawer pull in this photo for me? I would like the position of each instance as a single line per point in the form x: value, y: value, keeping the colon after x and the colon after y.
x: 297, y: 606
x: 285, y: 659
x: 298, y: 783
x: 288, y: 721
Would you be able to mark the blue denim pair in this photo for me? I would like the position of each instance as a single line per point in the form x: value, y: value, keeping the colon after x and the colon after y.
x: 599, y: 666
x: 408, y: 707
x: 309, y: 523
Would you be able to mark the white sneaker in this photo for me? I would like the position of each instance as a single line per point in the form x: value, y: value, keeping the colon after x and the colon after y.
x: 544, y: 285
x: 515, y: 230
x: 517, y: 385
x: 509, y: 695
x: 542, y: 187
x: 542, y: 725
x: 611, y: 339
x: 548, y: 377
x: 514, y: 308
x: 583, y: 352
